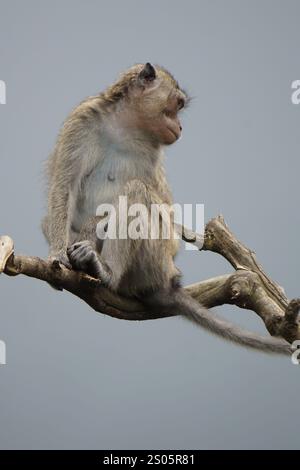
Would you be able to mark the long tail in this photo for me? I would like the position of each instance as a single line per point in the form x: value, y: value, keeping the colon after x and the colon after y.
x: 191, y: 309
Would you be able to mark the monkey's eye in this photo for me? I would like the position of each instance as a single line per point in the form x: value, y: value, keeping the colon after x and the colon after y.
x: 180, y: 103
x: 169, y: 113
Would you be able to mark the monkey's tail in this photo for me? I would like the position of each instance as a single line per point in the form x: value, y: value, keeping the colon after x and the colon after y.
x: 221, y: 327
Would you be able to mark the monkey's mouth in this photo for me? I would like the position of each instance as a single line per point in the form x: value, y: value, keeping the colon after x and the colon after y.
x: 172, y: 129
x: 175, y: 132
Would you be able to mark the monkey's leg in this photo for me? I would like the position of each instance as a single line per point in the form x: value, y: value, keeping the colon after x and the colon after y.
x: 83, y: 257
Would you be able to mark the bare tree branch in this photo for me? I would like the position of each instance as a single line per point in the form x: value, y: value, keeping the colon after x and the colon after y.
x: 248, y: 287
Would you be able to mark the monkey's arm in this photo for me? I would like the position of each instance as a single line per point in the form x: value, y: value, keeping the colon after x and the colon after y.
x: 62, y: 198
x: 70, y: 163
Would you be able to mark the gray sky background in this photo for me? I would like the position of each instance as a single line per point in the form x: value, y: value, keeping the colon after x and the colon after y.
x: 76, y: 379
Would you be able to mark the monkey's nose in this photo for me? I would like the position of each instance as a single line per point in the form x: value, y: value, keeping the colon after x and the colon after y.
x: 180, y: 127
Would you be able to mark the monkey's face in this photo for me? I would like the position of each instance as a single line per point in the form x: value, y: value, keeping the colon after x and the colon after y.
x: 157, y: 100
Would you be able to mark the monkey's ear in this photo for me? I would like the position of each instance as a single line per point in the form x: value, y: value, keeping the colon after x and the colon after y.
x: 148, y: 73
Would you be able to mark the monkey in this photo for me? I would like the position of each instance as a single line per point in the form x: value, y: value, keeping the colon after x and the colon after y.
x: 113, y: 144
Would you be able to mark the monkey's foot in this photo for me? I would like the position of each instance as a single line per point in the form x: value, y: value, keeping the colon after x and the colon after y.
x: 6, y: 250
x: 83, y: 257
x: 60, y: 258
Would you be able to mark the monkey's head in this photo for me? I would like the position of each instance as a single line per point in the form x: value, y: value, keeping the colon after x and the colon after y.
x: 153, y: 100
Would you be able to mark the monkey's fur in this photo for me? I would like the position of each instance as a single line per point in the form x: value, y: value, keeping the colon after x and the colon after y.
x: 112, y: 145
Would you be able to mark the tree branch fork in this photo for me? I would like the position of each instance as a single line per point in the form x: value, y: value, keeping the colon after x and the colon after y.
x: 248, y: 287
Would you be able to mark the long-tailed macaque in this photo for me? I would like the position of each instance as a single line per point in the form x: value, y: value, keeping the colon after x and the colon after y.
x: 112, y: 145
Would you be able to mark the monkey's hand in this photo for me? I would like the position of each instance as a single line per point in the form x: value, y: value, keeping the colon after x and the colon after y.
x: 84, y: 257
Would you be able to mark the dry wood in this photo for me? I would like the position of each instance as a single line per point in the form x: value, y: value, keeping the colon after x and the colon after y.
x: 248, y: 287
